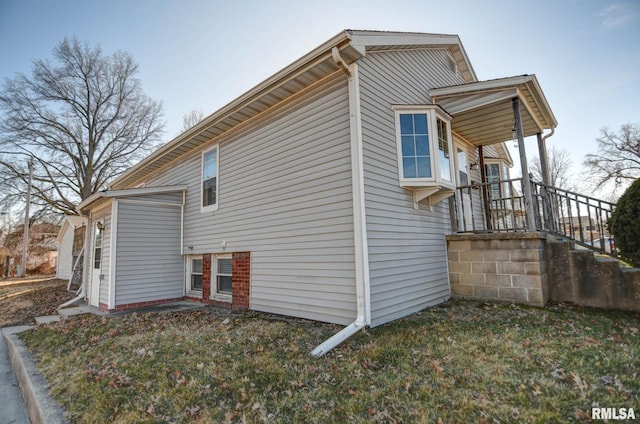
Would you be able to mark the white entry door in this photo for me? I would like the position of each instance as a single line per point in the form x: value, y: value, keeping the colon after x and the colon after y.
x: 96, y: 264
x: 463, y: 197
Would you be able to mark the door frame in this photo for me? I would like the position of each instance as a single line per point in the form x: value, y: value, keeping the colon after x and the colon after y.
x: 95, y: 274
x: 464, y: 202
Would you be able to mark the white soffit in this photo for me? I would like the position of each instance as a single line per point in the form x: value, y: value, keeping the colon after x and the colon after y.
x: 483, y: 111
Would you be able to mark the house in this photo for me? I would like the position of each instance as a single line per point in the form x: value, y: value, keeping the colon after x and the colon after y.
x: 325, y: 192
x: 69, y: 241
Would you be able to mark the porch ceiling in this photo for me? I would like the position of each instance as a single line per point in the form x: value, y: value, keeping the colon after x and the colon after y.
x: 483, y: 112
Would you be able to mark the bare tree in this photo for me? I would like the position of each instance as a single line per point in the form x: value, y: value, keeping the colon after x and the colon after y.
x: 559, y: 163
x: 191, y: 119
x: 618, y: 157
x: 83, y: 120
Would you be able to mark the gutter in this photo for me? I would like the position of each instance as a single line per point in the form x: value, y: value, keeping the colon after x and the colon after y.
x: 363, y: 295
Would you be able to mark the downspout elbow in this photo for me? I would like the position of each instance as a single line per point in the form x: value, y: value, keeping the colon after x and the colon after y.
x: 339, y: 337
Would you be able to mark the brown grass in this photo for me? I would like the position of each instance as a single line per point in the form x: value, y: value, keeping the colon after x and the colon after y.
x: 22, y: 300
x: 460, y: 362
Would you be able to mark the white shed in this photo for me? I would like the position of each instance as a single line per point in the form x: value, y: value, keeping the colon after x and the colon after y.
x: 64, y: 241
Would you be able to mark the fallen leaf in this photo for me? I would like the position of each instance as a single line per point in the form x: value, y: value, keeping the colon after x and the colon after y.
x: 192, y: 410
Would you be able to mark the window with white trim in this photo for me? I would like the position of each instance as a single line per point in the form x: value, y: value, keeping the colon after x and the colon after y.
x: 424, y: 143
x: 222, y: 278
x: 194, y: 274
x: 496, y: 172
x: 210, y: 179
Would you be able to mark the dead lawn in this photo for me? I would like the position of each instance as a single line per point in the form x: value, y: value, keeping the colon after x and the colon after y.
x: 460, y: 362
x: 24, y: 299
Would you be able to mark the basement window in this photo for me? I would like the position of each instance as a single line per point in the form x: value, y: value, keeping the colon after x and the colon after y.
x: 223, y: 278
x: 423, y: 138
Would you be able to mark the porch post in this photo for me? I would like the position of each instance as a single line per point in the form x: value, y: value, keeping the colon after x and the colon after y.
x: 484, y: 189
x: 544, y: 164
x: 526, y: 183
x: 547, y: 210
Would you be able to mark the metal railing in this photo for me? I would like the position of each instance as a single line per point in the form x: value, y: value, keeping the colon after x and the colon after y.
x: 582, y: 219
x: 500, y: 206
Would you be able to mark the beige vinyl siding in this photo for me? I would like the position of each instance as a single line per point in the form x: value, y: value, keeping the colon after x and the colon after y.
x: 407, y: 251
x: 149, y: 264
x: 285, y: 195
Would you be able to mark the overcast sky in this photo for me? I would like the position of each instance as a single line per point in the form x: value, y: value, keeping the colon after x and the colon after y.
x: 202, y: 54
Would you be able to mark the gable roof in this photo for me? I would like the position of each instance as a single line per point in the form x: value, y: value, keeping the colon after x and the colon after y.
x: 306, y: 71
x: 70, y: 222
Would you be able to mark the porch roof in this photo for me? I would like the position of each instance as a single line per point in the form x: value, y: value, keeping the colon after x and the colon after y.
x: 483, y: 113
x: 102, y: 197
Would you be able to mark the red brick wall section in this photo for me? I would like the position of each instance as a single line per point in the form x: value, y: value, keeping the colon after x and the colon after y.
x: 206, y: 277
x: 241, y: 279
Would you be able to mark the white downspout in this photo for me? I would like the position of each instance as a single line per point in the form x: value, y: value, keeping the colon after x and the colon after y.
x: 184, y: 200
x: 363, y: 307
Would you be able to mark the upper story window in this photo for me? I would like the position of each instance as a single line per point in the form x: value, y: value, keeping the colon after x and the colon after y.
x: 423, y: 135
x: 210, y: 179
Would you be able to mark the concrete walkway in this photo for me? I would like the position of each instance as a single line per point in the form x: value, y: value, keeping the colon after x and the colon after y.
x: 13, y: 410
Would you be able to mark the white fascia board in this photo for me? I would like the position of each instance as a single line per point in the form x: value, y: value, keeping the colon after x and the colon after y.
x: 89, y: 200
x: 62, y: 231
x: 145, y: 190
x: 538, y: 94
x: 381, y: 38
x: 129, y: 192
x: 361, y: 39
x: 265, y: 87
x: 500, y: 83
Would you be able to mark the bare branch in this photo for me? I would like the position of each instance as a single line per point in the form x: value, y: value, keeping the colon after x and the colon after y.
x: 618, y: 157
x: 85, y: 119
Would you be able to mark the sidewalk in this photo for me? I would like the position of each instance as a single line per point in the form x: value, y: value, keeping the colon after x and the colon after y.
x: 13, y: 408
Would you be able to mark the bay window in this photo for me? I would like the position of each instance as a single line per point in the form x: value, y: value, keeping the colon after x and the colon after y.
x: 423, y: 136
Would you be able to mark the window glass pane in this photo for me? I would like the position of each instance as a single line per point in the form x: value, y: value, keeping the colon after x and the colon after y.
x: 225, y: 266
x: 422, y: 145
x: 462, y: 167
x: 209, y: 192
x: 493, y: 174
x: 210, y: 164
x: 443, y: 147
x: 224, y: 284
x: 420, y: 123
x: 196, y: 282
x: 409, y: 167
x: 424, y: 167
x: 445, y: 166
x: 196, y: 266
x: 97, y: 257
x: 408, y: 145
x: 406, y: 123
